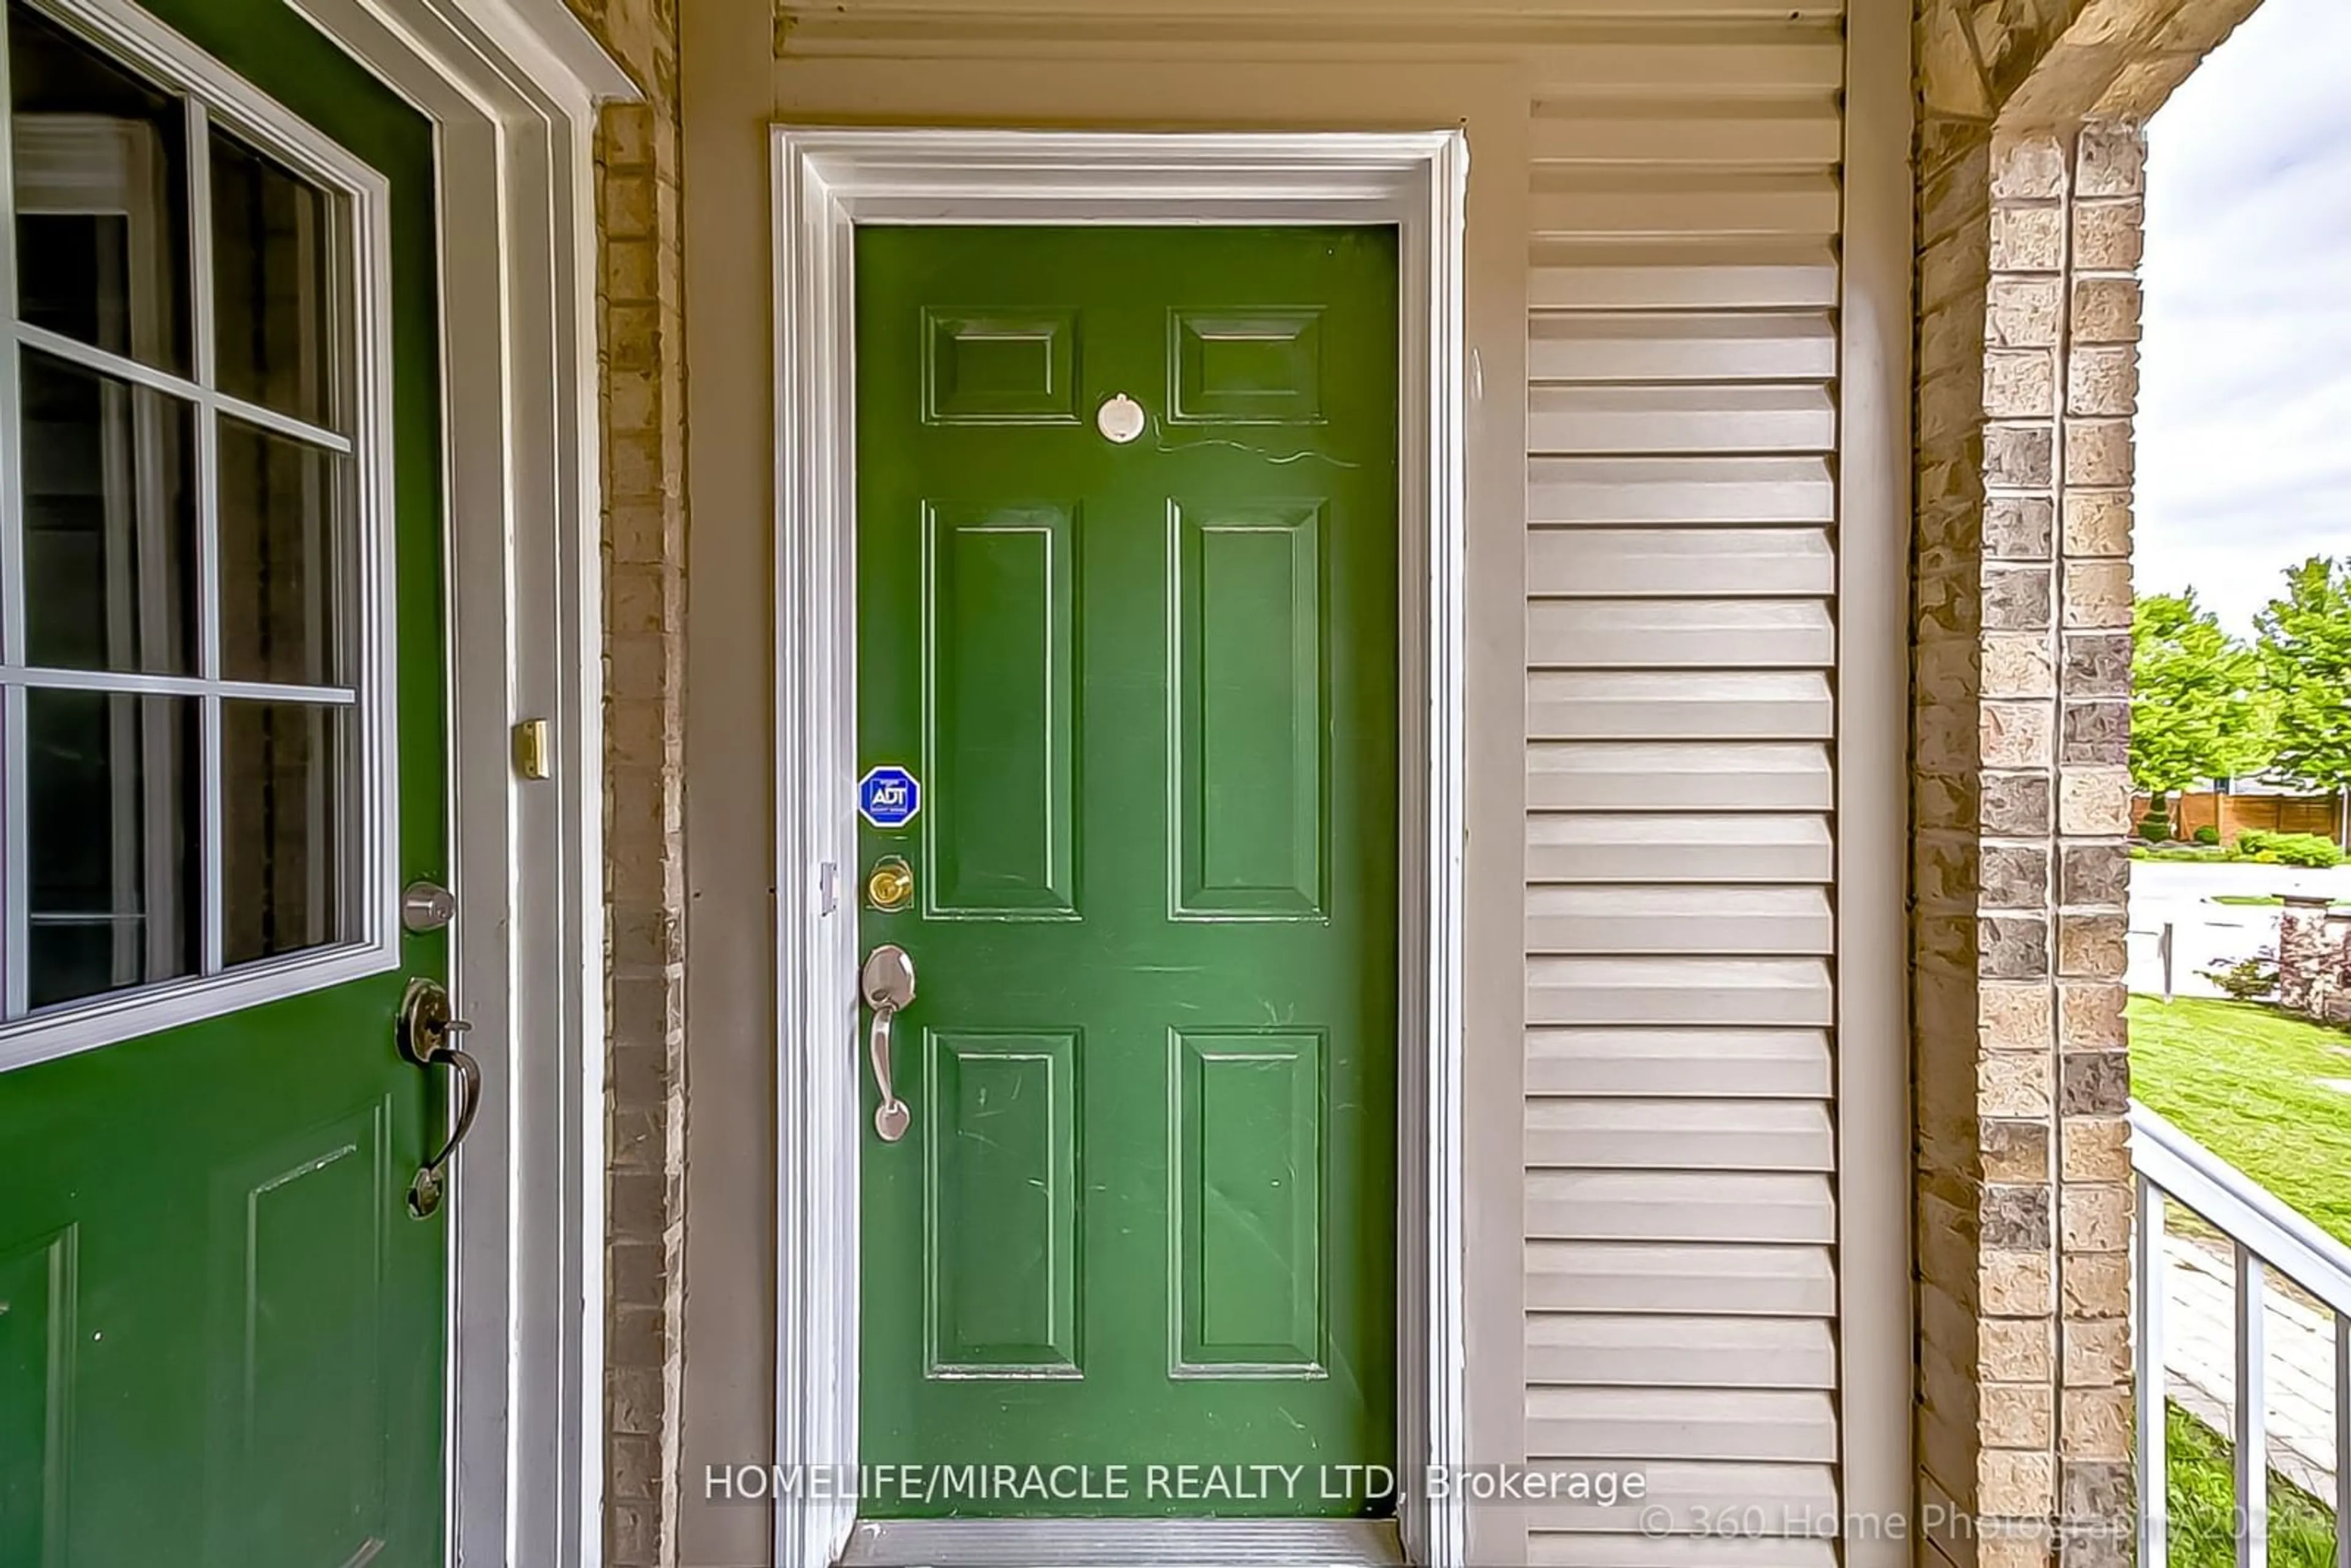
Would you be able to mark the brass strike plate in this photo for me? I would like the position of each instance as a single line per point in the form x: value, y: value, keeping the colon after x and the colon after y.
x: 530, y: 749
x: 889, y: 885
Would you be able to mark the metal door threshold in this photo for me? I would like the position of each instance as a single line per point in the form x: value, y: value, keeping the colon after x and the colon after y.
x: 1123, y: 1543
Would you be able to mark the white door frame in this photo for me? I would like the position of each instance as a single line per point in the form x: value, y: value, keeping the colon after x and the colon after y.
x: 511, y: 87
x: 826, y: 183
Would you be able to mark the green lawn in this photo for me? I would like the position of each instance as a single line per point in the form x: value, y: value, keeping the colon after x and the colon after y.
x: 2263, y: 901
x: 2241, y: 1079
x: 2201, y: 1491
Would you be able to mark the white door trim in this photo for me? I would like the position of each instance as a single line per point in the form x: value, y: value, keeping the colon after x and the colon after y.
x: 511, y: 87
x: 828, y: 180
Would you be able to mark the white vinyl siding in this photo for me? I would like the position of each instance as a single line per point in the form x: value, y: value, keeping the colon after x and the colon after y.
x: 1680, y: 1143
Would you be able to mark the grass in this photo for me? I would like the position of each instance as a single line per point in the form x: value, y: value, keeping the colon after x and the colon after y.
x: 2241, y: 1079
x: 2261, y: 900
x: 2199, y: 1490
x: 2211, y: 853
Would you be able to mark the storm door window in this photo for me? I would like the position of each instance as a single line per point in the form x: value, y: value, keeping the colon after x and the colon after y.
x: 182, y: 570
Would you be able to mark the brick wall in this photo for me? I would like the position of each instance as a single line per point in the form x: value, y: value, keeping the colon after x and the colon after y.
x: 641, y: 346
x: 2031, y: 178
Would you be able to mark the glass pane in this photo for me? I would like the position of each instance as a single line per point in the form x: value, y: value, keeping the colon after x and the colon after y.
x: 285, y: 780
x: 110, y: 523
x: 101, y: 199
x: 112, y: 797
x: 283, y: 566
x: 270, y: 283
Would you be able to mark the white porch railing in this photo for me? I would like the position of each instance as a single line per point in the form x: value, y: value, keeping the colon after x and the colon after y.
x: 2265, y: 1236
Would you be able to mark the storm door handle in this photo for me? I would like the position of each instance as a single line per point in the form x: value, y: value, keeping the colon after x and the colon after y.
x: 425, y: 1033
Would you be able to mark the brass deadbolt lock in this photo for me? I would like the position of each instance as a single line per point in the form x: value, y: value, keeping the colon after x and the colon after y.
x: 889, y: 885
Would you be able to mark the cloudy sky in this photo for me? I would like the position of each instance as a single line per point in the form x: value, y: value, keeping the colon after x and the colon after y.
x: 2244, y: 421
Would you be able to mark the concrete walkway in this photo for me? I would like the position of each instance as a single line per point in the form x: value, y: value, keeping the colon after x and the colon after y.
x: 2200, y: 1353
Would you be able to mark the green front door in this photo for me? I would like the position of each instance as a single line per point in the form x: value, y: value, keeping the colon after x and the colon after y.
x: 222, y: 1332
x: 1142, y: 1218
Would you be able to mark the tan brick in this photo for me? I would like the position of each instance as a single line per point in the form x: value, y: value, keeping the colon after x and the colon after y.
x: 2002, y: 1543
x: 2030, y: 168
x: 2094, y: 800
x: 2021, y: 312
x: 2110, y: 161
x: 2015, y: 1084
x: 2109, y: 235
x: 632, y: 271
x: 2102, y: 381
x: 2095, y: 1150
x: 2018, y: 1349
x: 2090, y: 946
x: 2014, y: 1017
x: 2097, y: 1352
x: 2017, y: 735
x: 2098, y: 593
x: 2016, y: 1482
x: 2096, y: 1284
x: 2097, y: 522
x: 2098, y: 452
x: 2094, y: 1219
x: 2105, y: 310
x: 2018, y: 664
x: 2020, y: 384
x: 2028, y: 240
x: 2016, y: 1417
x: 626, y: 206
x: 2098, y: 1422
x: 2016, y: 1151
x: 2090, y: 1015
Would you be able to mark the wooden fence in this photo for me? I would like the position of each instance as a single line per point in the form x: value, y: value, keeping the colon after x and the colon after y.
x: 2232, y: 814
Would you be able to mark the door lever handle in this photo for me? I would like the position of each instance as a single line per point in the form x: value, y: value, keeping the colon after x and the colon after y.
x: 888, y: 982
x: 425, y: 1031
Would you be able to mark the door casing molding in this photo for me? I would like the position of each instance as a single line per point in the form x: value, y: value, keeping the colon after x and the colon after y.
x: 825, y: 183
x: 511, y: 87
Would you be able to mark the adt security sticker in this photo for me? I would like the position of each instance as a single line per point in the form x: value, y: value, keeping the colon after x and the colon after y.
x: 888, y: 797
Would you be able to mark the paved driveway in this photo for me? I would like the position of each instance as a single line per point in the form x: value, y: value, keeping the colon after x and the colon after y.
x: 2205, y: 934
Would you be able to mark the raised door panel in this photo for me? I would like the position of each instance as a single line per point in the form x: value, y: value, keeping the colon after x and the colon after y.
x: 1000, y: 367
x: 299, y: 1359
x: 1247, y: 1127
x: 1001, y: 1165
x: 999, y: 695
x: 1246, y: 706
x: 1259, y: 367
x: 37, y: 1298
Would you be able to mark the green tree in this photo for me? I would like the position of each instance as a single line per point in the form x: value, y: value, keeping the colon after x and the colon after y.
x: 2197, y: 711
x: 2305, y: 655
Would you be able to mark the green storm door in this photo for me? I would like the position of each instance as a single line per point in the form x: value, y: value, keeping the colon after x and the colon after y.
x: 221, y: 733
x: 1127, y: 612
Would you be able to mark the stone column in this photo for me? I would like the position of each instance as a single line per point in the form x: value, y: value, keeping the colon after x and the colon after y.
x: 2302, y: 953
x: 2027, y: 370
x: 641, y: 343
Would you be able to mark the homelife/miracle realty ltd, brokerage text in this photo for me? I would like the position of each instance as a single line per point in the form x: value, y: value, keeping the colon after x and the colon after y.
x: 1363, y: 1485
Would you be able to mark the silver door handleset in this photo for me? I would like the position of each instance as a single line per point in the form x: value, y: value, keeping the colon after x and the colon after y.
x: 888, y: 982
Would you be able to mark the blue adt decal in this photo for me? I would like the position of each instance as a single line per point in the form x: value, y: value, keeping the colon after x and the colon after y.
x: 888, y: 797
